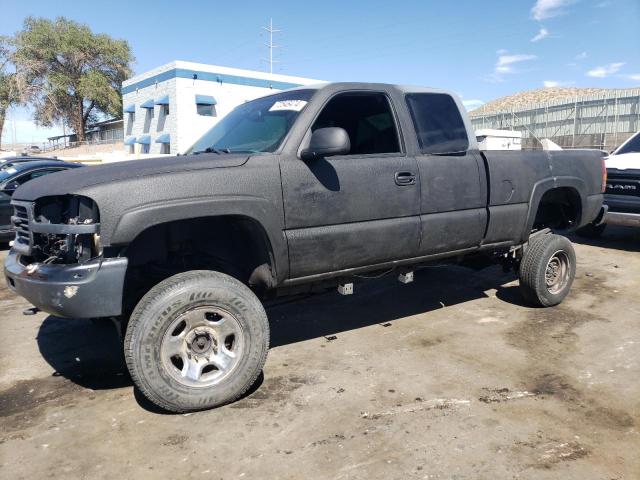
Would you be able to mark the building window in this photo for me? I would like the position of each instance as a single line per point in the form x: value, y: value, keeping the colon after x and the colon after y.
x: 165, y: 148
x: 206, y: 105
x: 147, y: 120
x: 144, y: 148
x: 130, y: 120
x: 132, y: 148
x: 206, y: 110
x: 165, y: 109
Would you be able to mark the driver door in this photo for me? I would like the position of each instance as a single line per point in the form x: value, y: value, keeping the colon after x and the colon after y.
x: 359, y: 209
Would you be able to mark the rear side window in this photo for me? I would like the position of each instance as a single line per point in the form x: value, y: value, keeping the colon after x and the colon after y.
x: 438, y: 123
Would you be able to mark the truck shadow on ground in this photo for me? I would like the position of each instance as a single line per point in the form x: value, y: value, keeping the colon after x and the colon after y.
x: 614, y: 236
x: 89, y: 352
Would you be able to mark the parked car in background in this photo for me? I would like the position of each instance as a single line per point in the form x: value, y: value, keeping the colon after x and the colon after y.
x: 33, y: 149
x: 25, y: 158
x: 12, y: 175
x: 622, y: 196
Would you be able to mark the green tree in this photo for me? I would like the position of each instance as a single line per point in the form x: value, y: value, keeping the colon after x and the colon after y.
x: 70, y: 74
x: 8, y: 85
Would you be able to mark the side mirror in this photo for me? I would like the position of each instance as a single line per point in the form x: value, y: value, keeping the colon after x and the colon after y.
x: 10, y: 187
x: 326, y: 142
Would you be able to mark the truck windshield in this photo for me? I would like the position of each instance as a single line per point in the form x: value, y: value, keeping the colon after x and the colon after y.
x: 256, y: 126
x: 632, y: 146
x: 7, y: 172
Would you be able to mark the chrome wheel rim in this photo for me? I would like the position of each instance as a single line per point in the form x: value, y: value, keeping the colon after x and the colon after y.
x: 202, y: 346
x: 557, y: 272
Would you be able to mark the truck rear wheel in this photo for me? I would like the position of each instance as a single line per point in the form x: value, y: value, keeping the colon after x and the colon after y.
x: 197, y: 340
x: 547, y: 270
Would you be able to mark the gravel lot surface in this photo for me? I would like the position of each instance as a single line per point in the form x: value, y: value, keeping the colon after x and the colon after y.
x: 449, y: 377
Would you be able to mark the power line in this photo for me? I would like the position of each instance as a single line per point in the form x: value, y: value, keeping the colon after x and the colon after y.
x: 271, y: 45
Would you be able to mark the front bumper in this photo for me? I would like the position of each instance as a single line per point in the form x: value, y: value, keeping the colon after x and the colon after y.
x: 91, y: 289
x: 623, y: 210
x: 623, y: 218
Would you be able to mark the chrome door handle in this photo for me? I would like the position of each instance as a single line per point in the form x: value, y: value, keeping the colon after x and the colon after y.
x: 405, y: 178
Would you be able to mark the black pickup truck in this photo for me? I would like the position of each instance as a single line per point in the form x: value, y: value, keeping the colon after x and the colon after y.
x: 306, y: 187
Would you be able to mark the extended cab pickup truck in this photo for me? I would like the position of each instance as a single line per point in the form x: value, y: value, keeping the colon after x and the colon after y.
x: 309, y: 186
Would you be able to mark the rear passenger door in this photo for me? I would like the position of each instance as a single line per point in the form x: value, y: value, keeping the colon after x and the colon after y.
x: 453, y: 213
x: 353, y: 210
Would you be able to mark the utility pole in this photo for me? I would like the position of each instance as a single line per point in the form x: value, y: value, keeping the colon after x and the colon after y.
x: 271, y: 45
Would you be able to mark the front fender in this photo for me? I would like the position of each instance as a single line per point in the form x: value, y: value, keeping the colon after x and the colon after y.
x: 134, y: 221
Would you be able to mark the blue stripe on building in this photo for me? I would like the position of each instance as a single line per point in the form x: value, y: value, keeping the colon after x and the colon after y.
x: 208, y: 77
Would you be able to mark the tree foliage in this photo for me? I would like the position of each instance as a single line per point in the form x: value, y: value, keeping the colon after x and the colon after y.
x: 70, y: 74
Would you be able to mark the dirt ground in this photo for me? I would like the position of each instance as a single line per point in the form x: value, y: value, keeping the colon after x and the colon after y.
x: 450, y: 377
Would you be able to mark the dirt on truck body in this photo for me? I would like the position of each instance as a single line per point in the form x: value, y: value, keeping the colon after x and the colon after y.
x: 298, y: 190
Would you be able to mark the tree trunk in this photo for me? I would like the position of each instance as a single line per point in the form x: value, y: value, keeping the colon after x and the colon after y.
x: 78, y: 121
x: 3, y: 112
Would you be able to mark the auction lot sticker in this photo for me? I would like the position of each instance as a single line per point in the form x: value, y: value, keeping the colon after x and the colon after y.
x: 291, y: 105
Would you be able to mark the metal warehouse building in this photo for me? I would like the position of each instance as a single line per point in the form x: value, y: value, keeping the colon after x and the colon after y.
x: 168, y: 108
x: 570, y: 117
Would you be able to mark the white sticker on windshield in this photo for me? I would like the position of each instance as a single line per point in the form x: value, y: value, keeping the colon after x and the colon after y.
x: 292, y: 105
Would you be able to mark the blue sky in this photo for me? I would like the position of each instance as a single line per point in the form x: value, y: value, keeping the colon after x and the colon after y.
x: 481, y: 50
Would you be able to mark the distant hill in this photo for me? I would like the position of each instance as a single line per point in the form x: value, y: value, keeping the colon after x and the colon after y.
x: 542, y: 95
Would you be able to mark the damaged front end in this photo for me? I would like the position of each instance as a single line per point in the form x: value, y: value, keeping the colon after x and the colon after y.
x: 62, y: 229
x: 57, y: 262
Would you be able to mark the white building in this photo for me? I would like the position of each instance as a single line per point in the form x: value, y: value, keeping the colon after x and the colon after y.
x: 490, y: 139
x: 168, y: 108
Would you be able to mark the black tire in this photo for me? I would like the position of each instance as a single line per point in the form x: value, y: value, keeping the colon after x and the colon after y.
x: 547, y: 270
x: 186, y: 296
x: 591, y: 231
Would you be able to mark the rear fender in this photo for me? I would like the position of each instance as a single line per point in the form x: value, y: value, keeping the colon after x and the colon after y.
x: 546, y: 185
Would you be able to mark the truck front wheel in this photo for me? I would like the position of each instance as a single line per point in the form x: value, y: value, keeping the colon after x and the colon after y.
x: 547, y: 270
x: 196, y: 340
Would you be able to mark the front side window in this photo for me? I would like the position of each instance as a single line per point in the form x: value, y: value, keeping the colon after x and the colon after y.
x: 256, y: 126
x: 367, y: 119
x: 438, y: 123
x: 34, y: 174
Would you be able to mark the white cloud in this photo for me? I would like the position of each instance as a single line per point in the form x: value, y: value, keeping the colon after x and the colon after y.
x: 505, y: 60
x: 543, y: 33
x: 581, y: 56
x: 555, y: 83
x: 505, y: 64
x: 549, y: 8
x: 604, y: 71
x: 634, y: 77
